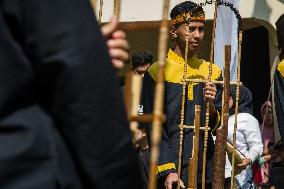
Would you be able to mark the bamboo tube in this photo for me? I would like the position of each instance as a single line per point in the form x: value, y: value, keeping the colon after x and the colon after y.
x: 222, y: 132
x: 182, y: 110
x: 208, y: 104
x: 116, y: 10
x: 94, y: 5
x: 215, y: 82
x: 236, y: 108
x: 136, y: 81
x: 193, y: 161
x: 101, y: 11
x: 159, y: 97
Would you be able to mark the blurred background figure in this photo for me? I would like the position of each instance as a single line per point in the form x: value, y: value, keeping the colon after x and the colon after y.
x: 141, y: 61
x: 268, y: 139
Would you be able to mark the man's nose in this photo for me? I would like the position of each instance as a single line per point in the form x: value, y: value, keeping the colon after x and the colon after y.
x: 197, y: 34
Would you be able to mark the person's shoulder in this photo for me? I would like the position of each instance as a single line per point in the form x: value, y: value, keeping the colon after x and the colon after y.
x: 153, y: 69
x: 247, y: 117
x: 280, y: 68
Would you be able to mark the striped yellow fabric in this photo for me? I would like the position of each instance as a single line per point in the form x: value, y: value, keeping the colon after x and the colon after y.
x: 165, y: 167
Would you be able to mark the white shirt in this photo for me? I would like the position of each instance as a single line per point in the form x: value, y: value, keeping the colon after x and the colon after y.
x: 248, y: 141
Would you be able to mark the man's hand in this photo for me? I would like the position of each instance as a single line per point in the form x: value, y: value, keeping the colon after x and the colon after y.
x: 116, y: 42
x: 210, y: 91
x: 245, y: 163
x: 171, y: 179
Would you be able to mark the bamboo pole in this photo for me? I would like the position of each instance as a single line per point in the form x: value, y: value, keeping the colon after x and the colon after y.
x: 159, y: 97
x: 208, y: 103
x: 94, y: 5
x: 182, y: 110
x: 193, y: 161
x: 236, y: 108
x: 101, y: 11
x: 116, y: 10
x: 222, y: 132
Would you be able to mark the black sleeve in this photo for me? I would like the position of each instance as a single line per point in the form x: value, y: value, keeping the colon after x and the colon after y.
x: 279, y: 101
x: 166, y: 164
x: 77, y: 86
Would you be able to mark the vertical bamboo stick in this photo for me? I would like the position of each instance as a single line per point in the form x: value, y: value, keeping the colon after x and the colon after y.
x: 193, y: 161
x: 207, y: 104
x: 182, y: 109
x: 159, y: 97
x: 236, y: 108
x: 116, y: 10
x: 222, y: 132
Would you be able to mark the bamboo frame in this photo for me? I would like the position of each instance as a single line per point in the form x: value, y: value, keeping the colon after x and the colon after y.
x: 159, y: 97
x: 208, y: 103
x: 182, y: 110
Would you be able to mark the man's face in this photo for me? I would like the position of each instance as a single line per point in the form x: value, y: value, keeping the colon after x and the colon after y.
x: 141, y: 69
x: 195, y: 35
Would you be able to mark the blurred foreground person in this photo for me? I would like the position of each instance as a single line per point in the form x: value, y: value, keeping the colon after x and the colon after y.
x: 62, y: 123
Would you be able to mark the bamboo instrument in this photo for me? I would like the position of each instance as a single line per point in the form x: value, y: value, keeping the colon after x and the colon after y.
x: 193, y: 161
x: 236, y: 107
x: 132, y: 96
x: 94, y: 5
x: 222, y: 132
x: 101, y: 11
x: 208, y: 103
x: 184, y: 84
x: 159, y: 97
x: 116, y: 10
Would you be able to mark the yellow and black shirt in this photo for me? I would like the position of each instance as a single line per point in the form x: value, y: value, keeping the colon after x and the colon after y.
x: 174, y: 70
x: 279, y: 97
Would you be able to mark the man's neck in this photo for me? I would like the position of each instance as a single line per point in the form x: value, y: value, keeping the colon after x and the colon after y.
x: 181, y: 52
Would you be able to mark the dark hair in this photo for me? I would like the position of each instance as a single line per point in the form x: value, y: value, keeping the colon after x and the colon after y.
x: 187, y: 6
x: 280, y: 34
x: 142, y: 58
x: 245, y: 100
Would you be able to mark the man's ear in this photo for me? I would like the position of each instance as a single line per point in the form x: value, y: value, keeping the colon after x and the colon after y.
x: 173, y: 32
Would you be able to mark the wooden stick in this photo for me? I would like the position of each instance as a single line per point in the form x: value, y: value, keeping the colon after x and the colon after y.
x: 182, y: 110
x: 236, y: 109
x: 192, y: 127
x: 94, y: 5
x: 193, y: 161
x: 116, y: 10
x: 208, y: 104
x: 101, y: 11
x: 213, y: 81
x: 146, y: 118
x: 222, y: 132
x: 159, y: 97
x: 136, y: 81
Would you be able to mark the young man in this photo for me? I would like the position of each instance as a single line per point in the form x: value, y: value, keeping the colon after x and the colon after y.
x: 184, y: 15
x: 140, y: 63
